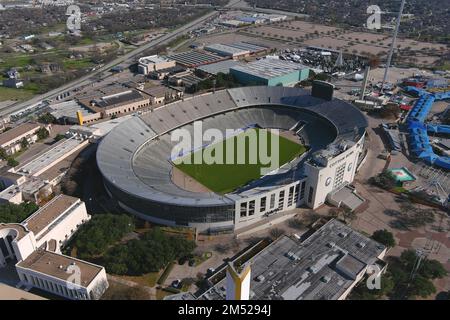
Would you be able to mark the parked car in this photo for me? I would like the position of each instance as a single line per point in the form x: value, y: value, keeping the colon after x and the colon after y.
x: 176, y: 283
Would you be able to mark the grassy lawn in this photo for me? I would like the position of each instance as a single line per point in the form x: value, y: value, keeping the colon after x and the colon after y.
x: 148, y: 280
x: 200, y: 259
x: 224, y: 178
x: 18, y: 61
x: 160, y: 294
x: 15, y: 94
x: 77, y: 64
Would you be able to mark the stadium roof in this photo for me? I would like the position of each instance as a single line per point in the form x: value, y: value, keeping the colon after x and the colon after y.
x: 134, y: 156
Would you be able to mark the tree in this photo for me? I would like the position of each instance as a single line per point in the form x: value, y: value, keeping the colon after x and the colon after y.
x: 384, y: 237
x: 3, y: 154
x: 42, y: 133
x: 275, y: 233
x: 374, y: 62
x: 421, y: 286
x: 102, y: 231
x: 419, y: 283
x: 150, y: 253
x: 385, y: 180
x: 361, y: 292
x: 59, y: 137
x: 12, y: 162
x: 24, y: 143
x: 47, y: 118
x: 412, y: 216
x: 15, y: 213
x: 348, y: 215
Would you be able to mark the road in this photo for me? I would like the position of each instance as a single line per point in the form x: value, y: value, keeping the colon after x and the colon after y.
x: 88, y: 78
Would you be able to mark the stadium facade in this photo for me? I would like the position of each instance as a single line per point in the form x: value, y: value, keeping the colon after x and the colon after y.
x: 134, y: 157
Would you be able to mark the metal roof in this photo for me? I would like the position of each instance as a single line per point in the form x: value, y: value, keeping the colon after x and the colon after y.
x: 323, y: 267
x: 269, y: 68
x: 195, y: 58
x: 219, y: 67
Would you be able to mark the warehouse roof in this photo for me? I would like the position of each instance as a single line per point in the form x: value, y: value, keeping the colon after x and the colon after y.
x: 50, y: 156
x: 226, y: 50
x: 219, y: 67
x: 248, y: 46
x: 68, y: 109
x: 269, y: 68
x: 322, y: 267
x: 153, y: 59
x: 195, y: 58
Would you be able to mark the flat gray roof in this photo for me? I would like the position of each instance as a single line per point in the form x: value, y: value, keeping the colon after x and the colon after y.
x: 68, y: 109
x: 194, y: 58
x: 269, y: 68
x: 50, y: 156
x: 119, y: 98
x: 322, y: 267
x: 227, y: 50
x: 248, y: 46
x: 219, y: 67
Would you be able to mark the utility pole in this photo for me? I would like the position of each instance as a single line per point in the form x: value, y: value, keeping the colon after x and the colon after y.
x: 394, y: 40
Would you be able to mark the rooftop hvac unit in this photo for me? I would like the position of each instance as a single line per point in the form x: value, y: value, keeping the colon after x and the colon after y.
x: 360, y: 244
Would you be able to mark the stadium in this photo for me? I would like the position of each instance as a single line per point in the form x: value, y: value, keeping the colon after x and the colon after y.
x: 321, y: 143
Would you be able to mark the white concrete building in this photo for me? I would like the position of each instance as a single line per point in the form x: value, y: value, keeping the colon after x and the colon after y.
x: 35, y: 246
x: 153, y: 63
x: 331, y: 169
x: 10, y: 140
x: 260, y: 203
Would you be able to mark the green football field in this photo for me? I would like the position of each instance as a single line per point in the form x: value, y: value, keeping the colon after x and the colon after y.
x: 224, y: 178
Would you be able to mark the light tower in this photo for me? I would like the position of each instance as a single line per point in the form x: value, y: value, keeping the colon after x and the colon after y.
x: 364, y: 84
x: 394, y: 40
x: 238, y: 282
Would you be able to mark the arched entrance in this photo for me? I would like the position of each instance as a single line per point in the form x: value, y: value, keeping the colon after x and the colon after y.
x: 7, y: 253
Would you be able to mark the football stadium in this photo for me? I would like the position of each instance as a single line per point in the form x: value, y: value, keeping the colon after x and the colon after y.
x: 320, y: 146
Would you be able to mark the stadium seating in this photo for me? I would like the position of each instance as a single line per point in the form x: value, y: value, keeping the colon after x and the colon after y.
x: 135, y: 156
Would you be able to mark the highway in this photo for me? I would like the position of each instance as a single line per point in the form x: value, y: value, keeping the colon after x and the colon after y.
x: 87, y: 79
